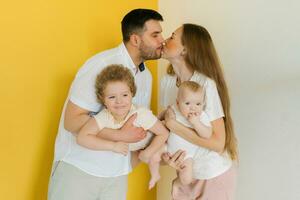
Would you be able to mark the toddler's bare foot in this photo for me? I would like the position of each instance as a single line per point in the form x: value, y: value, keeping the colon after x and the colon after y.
x: 153, y: 181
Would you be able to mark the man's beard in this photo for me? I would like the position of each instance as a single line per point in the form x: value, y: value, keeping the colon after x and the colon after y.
x: 148, y: 53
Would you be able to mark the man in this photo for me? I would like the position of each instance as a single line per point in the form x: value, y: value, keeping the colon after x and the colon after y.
x: 76, y: 173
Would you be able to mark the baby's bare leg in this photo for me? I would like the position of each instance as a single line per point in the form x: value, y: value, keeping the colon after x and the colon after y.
x: 135, y: 158
x: 186, y: 174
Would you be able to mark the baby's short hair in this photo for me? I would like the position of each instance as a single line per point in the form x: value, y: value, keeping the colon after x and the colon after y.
x: 113, y: 73
x: 191, y: 85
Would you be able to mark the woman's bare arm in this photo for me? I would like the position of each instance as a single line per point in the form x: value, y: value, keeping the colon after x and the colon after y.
x: 216, y: 142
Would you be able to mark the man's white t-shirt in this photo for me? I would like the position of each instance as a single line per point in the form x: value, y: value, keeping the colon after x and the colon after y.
x: 82, y: 93
x: 213, y: 108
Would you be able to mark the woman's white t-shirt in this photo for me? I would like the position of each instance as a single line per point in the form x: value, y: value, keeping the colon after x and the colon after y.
x: 219, y: 163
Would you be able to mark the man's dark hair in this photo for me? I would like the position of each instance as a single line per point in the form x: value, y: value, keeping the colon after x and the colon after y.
x: 134, y: 21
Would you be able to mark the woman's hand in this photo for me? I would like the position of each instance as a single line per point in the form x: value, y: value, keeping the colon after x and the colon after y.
x: 169, y: 114
x: 175, y: 160
x: 161, y: 116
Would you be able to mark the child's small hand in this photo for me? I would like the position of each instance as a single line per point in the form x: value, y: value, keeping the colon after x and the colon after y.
x: 121, y: 147
x: 194, y: 118
x: 144, y: 156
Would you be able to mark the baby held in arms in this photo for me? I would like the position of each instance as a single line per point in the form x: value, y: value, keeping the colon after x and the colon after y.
x: 188, y: 111
x: 115, y: 89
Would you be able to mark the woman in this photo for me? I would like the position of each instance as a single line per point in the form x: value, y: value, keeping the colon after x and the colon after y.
x: 192, y: 55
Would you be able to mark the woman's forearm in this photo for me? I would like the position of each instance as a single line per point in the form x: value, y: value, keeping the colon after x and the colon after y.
x: 215, y: 142
x: 202, y: 130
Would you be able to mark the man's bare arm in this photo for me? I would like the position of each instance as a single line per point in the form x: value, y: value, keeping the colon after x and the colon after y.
x: 76, y: 117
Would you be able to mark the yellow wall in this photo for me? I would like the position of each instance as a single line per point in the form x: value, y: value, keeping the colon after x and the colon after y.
x: 43, y: 43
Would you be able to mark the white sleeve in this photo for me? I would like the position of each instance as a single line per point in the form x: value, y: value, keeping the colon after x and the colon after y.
x: 213, y: 106
x: 145, y: 118
x: 82, y: 91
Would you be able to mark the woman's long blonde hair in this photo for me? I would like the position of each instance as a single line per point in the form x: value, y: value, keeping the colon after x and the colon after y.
x: 201, y: 56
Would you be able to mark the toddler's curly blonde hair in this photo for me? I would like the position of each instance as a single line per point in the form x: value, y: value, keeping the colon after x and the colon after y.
x: 113, y: 73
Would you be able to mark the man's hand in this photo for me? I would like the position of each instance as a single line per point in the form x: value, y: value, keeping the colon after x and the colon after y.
x: 130, y: 133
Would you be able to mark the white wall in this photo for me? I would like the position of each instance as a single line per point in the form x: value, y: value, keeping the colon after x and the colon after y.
x: 259, y: 46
